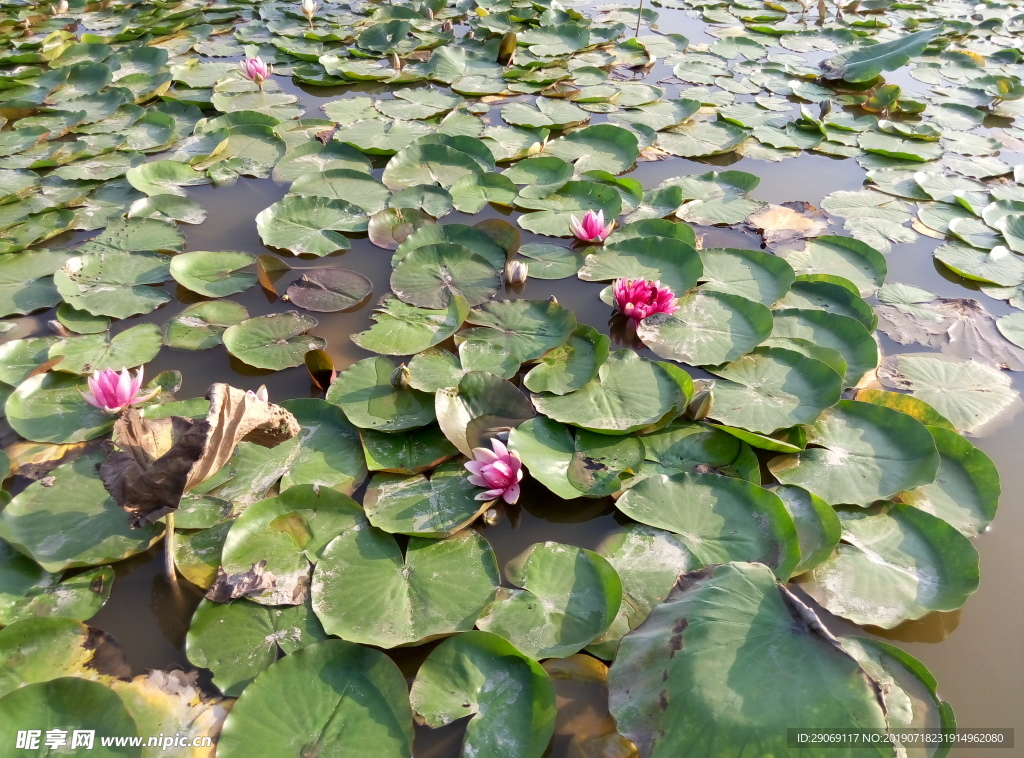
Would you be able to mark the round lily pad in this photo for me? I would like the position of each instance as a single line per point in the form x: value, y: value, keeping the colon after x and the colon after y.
x: 547, y: 450
x: 672, y: 262
x: 434, y: 507
x: 481, y: 402
x: 431, y: 275
x: 69, y: 705
x: 708, y: 328
x: 510, y: 698
x: 895, y: 563
x: 568, y: 367
x: 345, y: 699
x: 93, y: 529
x: 365, y: 393
x: 771, y: 388
x: 437, y: 588
x: 566, y: 597
x: 862, y: 453
x: 628, y: 394
x: 237, y: 641
x: 525, y: 328
x: 275, y: 342
x: 214, y: 274
x: 718, y: 518
x: 202, y: 325
x: 843, y: 333
x: 307, y: 224
x: 49, y: 408
x: 330, y: 290
x: 676, y: 680
x: 114, y: 283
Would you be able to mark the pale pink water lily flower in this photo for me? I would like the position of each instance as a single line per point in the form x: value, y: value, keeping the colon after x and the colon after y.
x: 113, y: 392
x: 592, y: 228
x: 639, y: 298
x: 255, y: 70
x: 261, y: 394
x: 498, y: 469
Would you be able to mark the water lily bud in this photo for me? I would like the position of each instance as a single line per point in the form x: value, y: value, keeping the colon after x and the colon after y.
x: 447, y: 27
x: 400, y: 377
x: 309, y: 9
x: 61, y: 9
x: 552, y: 299
x: 396, y: 62
x: 700, y: 407
x: 515, y: 272
x: 430, y: 14
x: 507, y: 48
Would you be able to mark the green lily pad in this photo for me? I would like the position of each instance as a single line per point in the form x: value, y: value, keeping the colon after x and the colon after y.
x: 718, y: 518
x: 547, y: 449
x: 411, y: 452
x: 842, y: 256
x: 865, y: 62
x: 431, y: 275
x: 701, y: 138
x: 314, y: 157
x: 353, y: 187
x: 70, y: 704
x: 817, y: 527
x: 49, y: 408
x: 525, y: 328
x: 628, y: 394
x: 240, y: 640
x: 968, y: 393
x: 330, y: 290
x: 275, y: 342
x: 862, y: 453
x: 287, y: 534
x: 366, y: 395
x: 842, y: 333
x: 568, y: 367
x: 213, y: 274
x: 165, y: 177
x: 27, y: 590
x: 96, y: 352
x: 648, y: 562
x: 694, y: 655
x: 402, y: 329
x: 771, y: 388
x: 308, y: 224
x: 509, y: 697
x: 437, y: 588
x: 965, y: 492
x: 752, y: 274
x: 201, y: 326
x: 114, y: 283
x: 93, y: 528
x: 481, y: 402
x: 346, y: 699
x: 26, y: 282
x: 564, y: 597
x: 895, y: 563
x: 602, y: 147
x: 436, y: 507
x: 603, y: 464
x: 672, y: 262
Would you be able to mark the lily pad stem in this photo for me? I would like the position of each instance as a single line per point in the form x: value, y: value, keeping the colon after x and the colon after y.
x: 172, y: 574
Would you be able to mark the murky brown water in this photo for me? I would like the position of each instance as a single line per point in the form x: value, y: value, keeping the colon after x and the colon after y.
x: 976, y: 654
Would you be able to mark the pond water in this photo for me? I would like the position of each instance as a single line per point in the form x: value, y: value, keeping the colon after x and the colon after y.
x: 975, y: 653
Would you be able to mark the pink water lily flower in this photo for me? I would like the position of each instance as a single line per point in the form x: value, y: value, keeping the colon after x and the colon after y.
x: 113, y: 392
x: 592, y: 228
x: 261, y: 394
x: 255, y: 70
x: 499, y: 470
x: 639, y: 298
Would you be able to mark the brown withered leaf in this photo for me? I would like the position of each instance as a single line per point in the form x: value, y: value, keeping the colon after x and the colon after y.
x: 957, y: 326
x: 788, y: 223
x: 233, y: 586
x: 156, y: 461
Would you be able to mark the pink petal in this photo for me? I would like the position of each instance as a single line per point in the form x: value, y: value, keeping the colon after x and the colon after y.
x: 484, y: 455
x: 90, y: 399
x: 477, y: 481
x: 473, y: 467
x: 511, y: 494
x: 499, y: 447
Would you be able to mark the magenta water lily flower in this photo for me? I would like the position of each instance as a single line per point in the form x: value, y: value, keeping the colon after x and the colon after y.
x: 113, y: 392
x: 498, y: 469
x: 255, y: 70
x: 639, y: 298
x: 592, y: 228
